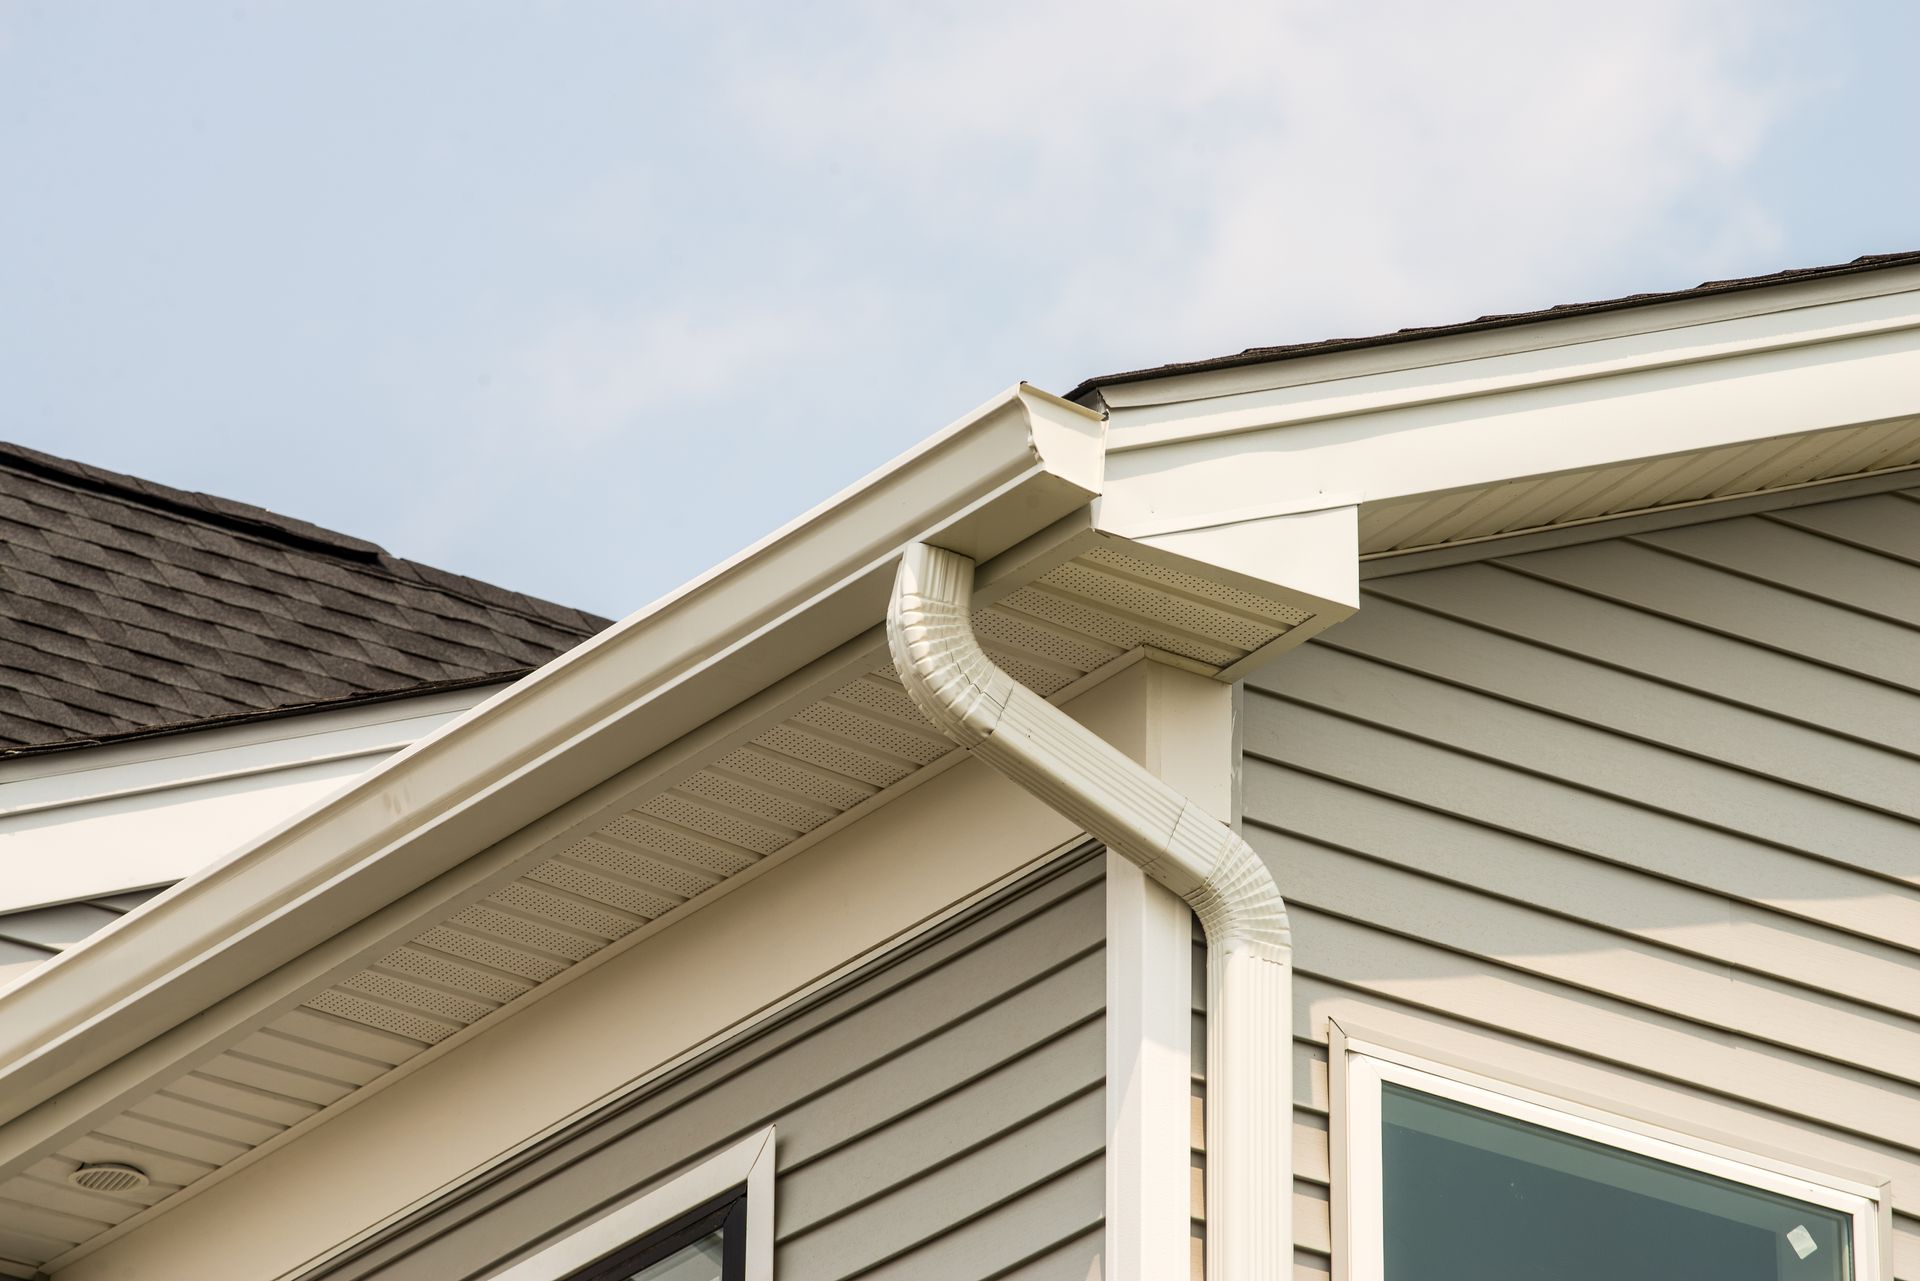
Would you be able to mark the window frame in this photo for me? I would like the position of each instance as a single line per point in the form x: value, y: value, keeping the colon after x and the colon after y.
x: 728, y: 1216
x: 733, y: 1188
x: 1359, y: 1183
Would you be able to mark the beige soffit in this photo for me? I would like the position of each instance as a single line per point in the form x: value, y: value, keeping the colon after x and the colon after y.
x: 1019, y: 463
x: 564, y: 819
x: 90, y: 1035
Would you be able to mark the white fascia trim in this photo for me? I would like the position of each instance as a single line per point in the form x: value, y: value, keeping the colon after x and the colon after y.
x: 1479, y: 421
x: 72, y: 774
x: 1539, y: 335
x: 995, y: 478
x: 1320, y: 402
x: 1249, y: 949
x: 51, y: 806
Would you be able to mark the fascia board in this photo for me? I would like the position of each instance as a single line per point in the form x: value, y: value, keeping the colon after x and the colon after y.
x: 1416, y: 352
x: 1481, y: 422
x: 996, y: 477
x: 78, y: 773
x: 83, y: 824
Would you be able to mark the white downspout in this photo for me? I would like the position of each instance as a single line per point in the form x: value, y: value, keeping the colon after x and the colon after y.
x: 1249, y: 970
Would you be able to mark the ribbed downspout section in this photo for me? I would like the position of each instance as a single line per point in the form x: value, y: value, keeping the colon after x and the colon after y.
x: 1249, y: 977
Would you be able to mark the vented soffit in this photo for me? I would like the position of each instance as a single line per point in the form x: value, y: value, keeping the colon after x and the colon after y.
x: 569, y: 815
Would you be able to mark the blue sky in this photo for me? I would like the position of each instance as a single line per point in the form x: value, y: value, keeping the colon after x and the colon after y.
x: 580, y: 297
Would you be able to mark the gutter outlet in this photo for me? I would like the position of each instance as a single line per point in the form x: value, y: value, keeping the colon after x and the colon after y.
x: 1249, y: 1114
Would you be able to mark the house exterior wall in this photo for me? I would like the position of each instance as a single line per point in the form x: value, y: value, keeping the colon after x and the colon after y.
x: 451, y: 1114
x: 33, y: 936
x: 1633, y: 819
x: 99, y: 821
x: 938, y: 1114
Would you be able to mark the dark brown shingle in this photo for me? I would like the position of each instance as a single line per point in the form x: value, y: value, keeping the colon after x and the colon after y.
x: 128, y: 607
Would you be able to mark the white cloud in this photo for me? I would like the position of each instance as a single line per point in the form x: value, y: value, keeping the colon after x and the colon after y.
x: 1210, y: 175
x: 596, y: 373
x: 897, y: 208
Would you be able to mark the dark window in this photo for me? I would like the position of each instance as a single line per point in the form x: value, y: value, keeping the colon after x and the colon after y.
x: 1474, y: 1196
x: 708, y: 1244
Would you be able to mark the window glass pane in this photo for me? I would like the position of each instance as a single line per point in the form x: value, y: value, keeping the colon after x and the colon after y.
x: 697, y: 1262
x: 1474, y: 1196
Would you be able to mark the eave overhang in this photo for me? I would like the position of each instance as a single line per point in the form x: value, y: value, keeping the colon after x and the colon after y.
x: 1021, y: 462
x: 721, y: 730
x: 1494, y: 433
x: 1212, y: 522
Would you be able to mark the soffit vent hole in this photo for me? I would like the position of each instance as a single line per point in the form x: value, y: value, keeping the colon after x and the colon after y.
x: 109, y: 1178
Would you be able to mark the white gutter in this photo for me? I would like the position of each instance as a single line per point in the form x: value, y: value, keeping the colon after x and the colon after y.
x: 1249, y: 970
x: 470, y: 805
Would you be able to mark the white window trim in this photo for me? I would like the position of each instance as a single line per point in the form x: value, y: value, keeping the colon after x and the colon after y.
x: 748, y: 1163
x: 1368, y: 1067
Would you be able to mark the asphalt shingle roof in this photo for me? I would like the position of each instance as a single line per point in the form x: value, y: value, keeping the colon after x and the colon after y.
x: 128, y: 607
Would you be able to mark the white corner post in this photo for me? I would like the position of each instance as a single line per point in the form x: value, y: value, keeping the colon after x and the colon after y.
x: 1149, y: 1034
x: 1249, y: 976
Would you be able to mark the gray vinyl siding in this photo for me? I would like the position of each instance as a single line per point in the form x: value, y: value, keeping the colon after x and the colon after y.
x: 939, y: 1115
x: 33, y: 936
x: 1637, y: 814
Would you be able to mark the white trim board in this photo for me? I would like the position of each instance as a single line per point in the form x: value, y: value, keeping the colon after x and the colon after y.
x: 1542, y: 334
x: 1149, y: 1076
x: 748, y: 1164
x: 94, y: 821
x: 70, y: 773
x: 1489, y: 419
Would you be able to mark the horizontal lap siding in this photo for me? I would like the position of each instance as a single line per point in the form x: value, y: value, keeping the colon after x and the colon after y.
x: 939, y: 1116
x: 31, y: 937
x: 1637, y: 816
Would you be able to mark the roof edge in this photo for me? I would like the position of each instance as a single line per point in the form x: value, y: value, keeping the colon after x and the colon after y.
x: 1482, y: 324
x: 226, y: 512
x: 290, y: 532
x: 991, y: 480
x: 265, y: 714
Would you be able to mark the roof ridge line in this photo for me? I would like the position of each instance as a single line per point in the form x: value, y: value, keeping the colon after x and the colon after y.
x: 244, y: 517
x: 297, y: 534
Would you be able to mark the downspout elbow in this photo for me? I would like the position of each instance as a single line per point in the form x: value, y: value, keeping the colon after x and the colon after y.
x: 957, y: 686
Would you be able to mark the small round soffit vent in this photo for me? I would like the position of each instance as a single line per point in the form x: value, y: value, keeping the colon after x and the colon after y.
x: 109, y: 1178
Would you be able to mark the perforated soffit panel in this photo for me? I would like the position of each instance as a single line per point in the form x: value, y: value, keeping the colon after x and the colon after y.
x: 830, y: 757
x: 1543, y: 502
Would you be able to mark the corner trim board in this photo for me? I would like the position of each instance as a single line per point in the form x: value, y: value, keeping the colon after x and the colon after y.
x: 1149, y: 1077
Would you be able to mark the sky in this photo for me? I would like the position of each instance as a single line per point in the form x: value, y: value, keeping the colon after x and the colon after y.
x: 578, y: 298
